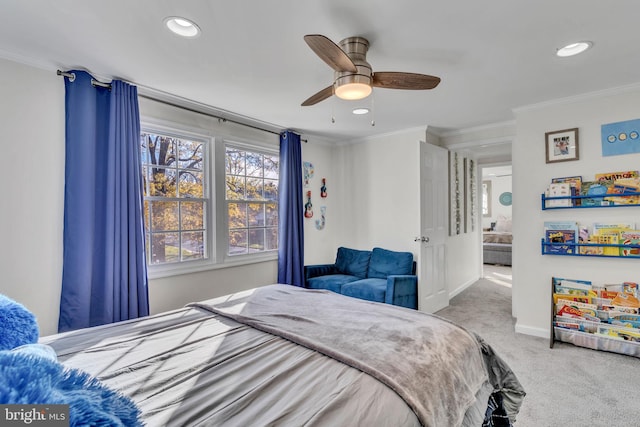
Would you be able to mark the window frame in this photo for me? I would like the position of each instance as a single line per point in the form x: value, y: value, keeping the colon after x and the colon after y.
x: 199, y: 135
x: 255, y: 147
x: 216, y: 218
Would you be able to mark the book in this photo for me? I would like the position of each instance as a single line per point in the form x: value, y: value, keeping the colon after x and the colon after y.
x: 600, y: 228
x: 595, y: 188
x: 559, y: 240
x: 612, y: 176
x: 561, y: 225
x: 625, y: 186
x: 586, y: 300
x: 575, y: 183
x: 562, y: 189
x: 632, y: 238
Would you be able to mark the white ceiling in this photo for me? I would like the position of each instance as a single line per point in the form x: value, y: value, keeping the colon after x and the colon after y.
x: 251, y: 59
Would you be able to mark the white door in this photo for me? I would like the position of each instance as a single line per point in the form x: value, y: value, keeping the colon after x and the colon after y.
x: 433, y: 294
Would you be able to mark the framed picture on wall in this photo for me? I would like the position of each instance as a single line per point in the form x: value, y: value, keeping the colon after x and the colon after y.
x: 562, y: 145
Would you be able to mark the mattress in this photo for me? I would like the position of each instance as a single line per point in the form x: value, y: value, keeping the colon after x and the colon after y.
x: 496, y: 237
x: 197, y: 366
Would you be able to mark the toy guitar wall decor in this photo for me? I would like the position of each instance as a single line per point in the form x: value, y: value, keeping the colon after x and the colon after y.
x: 308, y: 212
x: 323, y: 189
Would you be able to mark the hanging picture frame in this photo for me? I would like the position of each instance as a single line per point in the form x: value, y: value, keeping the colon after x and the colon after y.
x: 562, y: 145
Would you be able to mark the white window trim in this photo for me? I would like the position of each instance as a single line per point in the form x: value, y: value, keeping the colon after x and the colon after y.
x: 217, y: 222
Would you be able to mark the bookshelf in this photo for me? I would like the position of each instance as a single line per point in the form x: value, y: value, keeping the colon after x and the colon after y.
x: 630, y: 250
x: 603, y: 333
x: 575, y: 205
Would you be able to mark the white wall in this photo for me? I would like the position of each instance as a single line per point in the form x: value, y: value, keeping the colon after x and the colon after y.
x: 32, y: 123
x: 381, y: 200
x: 320, y: 245
x: 532, y: 272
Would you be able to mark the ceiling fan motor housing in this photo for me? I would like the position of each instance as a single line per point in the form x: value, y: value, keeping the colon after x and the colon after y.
x: 356, y: 48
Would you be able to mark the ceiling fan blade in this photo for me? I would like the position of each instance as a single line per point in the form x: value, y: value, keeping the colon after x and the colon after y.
x: 320, y: 96
x: 330, y: 53
x: 396, y: 80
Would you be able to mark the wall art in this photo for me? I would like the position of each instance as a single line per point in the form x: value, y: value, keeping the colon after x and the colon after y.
x: 320, y: 223
x: 620, y: 138
x: 307, y: 171
x: 562, y: 145
x: 308, y: 207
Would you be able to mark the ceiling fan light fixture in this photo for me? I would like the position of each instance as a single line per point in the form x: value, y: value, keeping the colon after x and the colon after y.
x: 182, y: 26
x: 574, y: 48
x: 353, y: 91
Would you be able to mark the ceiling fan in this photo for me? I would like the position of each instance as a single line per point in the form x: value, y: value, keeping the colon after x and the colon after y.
x: 353, y: 77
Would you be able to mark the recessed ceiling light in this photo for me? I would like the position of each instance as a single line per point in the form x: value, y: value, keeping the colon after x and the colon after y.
x: 573, y: 49
x: 182, y: 26
x: 360, y: 111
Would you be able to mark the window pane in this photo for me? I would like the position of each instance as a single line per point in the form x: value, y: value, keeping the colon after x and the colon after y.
x: 190, y: 154
x: 271, y: 166
x: 271, y: 240
x: 270, y: 189
x: 271, y: 217
x: 245, y: 181
x: 163, y: 182
x: 192, y: 245
x: 254, y: 165
x: 256, y: 240
x: 254, y: 189
x: 256, y: 215
x: 145, y: 214
x: 192, y: 215
x: 164, y: 248
x: 164, y: 216
x: 237, y: 242
x: 237, y: 215
x: 174, y: 167
x: 191, y: 184
x: 235, y: 187
x: 234, y: 163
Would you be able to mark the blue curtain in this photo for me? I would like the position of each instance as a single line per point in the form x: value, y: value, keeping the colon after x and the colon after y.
x: 104, y: 276
x: 290, y: 212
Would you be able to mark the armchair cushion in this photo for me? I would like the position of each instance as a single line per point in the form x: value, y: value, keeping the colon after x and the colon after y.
x: 331, y: 282
x: 353, y: 262
x: 368, y: 289
x: 384, y: 263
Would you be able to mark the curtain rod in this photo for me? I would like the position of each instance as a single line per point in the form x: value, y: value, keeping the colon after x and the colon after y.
x: 94, y: 82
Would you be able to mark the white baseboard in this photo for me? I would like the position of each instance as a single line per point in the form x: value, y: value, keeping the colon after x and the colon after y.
x: 530, y: 330
x: 462, y: 288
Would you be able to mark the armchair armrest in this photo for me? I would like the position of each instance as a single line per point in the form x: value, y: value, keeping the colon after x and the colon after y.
x: 318, y: 270
x: 402, y: 290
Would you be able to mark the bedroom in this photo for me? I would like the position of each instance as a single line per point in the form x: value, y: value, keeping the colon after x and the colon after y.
x: 32, y: 113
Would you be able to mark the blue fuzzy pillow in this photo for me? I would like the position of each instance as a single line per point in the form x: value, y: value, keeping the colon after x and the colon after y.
x: 18, y: 325
x: 33, y: 379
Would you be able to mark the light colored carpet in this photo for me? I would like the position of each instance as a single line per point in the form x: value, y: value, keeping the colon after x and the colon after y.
x: 567, y: 385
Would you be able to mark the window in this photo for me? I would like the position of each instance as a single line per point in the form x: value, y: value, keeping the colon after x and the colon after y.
x: 251, y: 180
x: 486, y: 198
x: 175, y: 198
x: 192, y: 224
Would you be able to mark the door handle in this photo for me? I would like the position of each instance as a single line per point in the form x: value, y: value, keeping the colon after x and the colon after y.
x: 422, y: 239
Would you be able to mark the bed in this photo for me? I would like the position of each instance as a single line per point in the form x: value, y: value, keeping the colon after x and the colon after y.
x: 497, y: 241
x: 282, y: 355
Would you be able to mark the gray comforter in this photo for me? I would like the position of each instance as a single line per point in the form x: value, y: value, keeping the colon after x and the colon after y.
x: 223, y: 362
x: 435, y: 366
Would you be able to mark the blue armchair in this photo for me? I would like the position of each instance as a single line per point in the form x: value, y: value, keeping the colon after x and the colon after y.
x: 378, y: 275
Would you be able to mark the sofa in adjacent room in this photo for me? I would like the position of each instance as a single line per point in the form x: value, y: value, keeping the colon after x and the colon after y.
x: 378, y: 275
